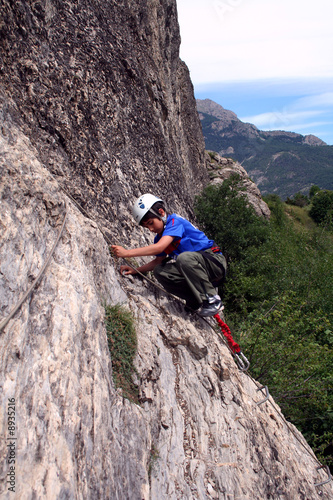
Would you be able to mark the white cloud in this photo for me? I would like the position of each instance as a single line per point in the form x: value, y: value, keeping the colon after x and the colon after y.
x: 309, y: 128
x: 276, y: 55
x: 225, y: 40
x: 299, y: 115
x: 276, y: 119
x: 324, y: 99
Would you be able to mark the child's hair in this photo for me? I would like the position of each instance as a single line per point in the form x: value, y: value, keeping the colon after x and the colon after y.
x: 152, y: 215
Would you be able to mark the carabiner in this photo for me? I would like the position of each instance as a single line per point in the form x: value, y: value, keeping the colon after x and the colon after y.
x: 242, y: 362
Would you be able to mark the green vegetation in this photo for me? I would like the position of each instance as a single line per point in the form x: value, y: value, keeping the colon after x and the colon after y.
x: 322, y: 208
x: 313, y: 190
x: 279, y: 301
x: 299, y: 200
x: 122, y: 343
x: 154, y: 456
x: 290, y: 167
x: 221, y: 211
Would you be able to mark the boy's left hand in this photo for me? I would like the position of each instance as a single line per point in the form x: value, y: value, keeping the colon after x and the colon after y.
x: 119, y: 251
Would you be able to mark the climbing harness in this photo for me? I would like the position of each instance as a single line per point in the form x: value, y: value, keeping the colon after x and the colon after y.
x: 215, y: 249
x: 241, y: 360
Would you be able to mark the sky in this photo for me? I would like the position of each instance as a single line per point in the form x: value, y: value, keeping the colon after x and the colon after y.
x: 269, y: 61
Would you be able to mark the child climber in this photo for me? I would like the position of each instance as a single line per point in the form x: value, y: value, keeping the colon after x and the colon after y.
x: 199, y: 266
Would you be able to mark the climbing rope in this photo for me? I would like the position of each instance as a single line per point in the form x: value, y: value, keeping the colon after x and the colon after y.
x: 227, y: 333
x: 28, y: 292
x: 288, y: 424
x: 240, y: 359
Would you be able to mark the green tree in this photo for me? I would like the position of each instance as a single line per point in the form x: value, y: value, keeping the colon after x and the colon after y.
x: 290, y: 349
x: 299, y: 200
x: 322, y: 208
x: 313, y: 190
x: 226, y: 216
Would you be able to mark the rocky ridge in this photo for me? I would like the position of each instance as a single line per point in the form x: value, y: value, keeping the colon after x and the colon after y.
x: 279, y: 162
x: 79, y: 109
x: 221, y: 168
x: 226, y: 118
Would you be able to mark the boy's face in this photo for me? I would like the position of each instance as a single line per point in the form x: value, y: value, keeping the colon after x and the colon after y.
x: 154, y: 225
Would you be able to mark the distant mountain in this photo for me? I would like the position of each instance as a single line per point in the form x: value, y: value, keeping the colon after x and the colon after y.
x: 277, y: 161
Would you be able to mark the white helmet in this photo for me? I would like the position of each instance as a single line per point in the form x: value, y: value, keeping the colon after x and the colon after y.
x: 143, y: 204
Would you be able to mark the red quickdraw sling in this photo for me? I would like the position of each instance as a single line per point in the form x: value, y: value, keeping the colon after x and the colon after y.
x: 242, y: 362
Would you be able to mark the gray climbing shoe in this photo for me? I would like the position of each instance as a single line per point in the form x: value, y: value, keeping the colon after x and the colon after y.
x: 211, y: 306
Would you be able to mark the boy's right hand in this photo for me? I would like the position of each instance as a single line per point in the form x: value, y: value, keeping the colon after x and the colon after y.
x: 127, y: 270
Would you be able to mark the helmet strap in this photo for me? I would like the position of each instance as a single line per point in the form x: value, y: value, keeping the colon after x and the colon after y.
x: 159, y: 216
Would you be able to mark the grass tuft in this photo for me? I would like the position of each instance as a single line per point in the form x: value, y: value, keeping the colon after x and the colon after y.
x: 122, y: 343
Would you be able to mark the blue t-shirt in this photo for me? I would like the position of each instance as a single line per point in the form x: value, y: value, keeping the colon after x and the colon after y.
x: 186, y: 237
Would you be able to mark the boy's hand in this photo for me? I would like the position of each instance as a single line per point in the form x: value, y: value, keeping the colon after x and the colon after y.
x: 127, y: 270
x: 119, y: 251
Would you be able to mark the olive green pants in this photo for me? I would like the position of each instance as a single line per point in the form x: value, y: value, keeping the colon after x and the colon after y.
x: 190, y: 276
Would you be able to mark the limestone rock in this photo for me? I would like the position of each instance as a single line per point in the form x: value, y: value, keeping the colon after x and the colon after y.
x: 312, y: 140
x: 221, y: 168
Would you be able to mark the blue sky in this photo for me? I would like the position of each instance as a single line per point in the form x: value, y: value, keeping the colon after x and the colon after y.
x: 269, y: 61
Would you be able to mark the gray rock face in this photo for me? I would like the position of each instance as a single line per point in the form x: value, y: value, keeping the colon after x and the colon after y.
x: 216, y: 110
x: 312, y: 140
x: 102, y: 94
x: 95, y: 99
x: 76, y: 436
x: 221, y: 169
x: 54, y: 355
